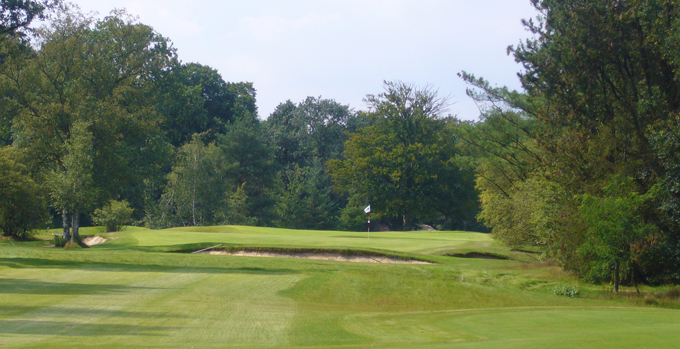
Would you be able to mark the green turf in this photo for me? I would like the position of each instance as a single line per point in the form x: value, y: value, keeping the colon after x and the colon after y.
x: 131, y: 292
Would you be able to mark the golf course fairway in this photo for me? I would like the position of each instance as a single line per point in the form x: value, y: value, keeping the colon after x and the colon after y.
x: 137, y: 290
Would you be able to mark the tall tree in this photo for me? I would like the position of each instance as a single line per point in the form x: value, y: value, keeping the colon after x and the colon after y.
x: 196, y: 186
x: 194, y: 98
x: 314, y: 128
x: 250, y: 170
x: 304, y: 137
x: 70, y: 184
x: 99, y: 73
x: 602, y: 99
x: 403, y: 162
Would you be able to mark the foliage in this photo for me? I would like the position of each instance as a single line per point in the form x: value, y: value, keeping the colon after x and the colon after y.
x: 113, y: 215
x: 247, y: 158
x: 196, y: 186
x: 194, y: 98
x: 306, y: 202
x: 352, y: 216
x: 313, y: 129
x: 94, y: 73
x: 18, y: 14
x: 70, y: 185
x: 404, y: 161
x: 600, y: 101
x: 566, y: 290
x: 22, y: 208
x: 58, y: 240
x: 304, y: 137
x: 237, y: 210
x: 618, y: 234
x: 528, y: 216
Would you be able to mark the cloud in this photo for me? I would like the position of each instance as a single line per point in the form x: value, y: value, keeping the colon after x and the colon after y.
x: 182, y: 24
x: 270, y: 27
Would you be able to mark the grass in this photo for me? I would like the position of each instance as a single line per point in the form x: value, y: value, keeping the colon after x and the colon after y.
x: 130, y: 292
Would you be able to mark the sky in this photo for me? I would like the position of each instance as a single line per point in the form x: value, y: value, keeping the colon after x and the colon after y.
x: 341, y: 49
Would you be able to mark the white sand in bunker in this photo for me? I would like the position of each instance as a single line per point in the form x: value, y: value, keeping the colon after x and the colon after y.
x: 320, y: 256
x: 94, y: 240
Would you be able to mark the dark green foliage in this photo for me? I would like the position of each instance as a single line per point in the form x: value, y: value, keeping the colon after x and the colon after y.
x: 22, y: 208
x: 306, y: 201
x: 250, y: 167
x: 90, y: 80
x: 403, y: 163
x: 313, y: 129
x: 237, y: 210
x: 194, y: 98
x: 304, y: 137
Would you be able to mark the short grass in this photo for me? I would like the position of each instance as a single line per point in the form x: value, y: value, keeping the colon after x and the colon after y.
x: 132, y: 292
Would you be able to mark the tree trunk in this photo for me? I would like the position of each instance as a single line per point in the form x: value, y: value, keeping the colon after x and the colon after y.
x: 616, y: 275
x: 76, y: 225
x: 632, y: 275
x: 403, y: 219
x: 64, y: 224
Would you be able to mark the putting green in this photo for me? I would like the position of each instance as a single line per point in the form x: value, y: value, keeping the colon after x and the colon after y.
x: 256, y: 236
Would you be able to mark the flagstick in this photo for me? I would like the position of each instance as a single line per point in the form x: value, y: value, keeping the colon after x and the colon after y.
x: 369, y: 226
x: 367, y: 210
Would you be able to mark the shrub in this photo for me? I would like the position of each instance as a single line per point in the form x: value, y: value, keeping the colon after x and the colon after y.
x: 59, y: 241
x: 566, y: 290
x: 114, y: 215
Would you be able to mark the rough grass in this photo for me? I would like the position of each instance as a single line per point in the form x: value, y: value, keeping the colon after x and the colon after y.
x: 131, y: 292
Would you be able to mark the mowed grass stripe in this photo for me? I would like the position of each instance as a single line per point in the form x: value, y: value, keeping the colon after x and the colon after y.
x: 240, y: 309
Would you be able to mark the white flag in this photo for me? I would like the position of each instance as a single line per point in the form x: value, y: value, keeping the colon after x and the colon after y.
x: 367, y: 209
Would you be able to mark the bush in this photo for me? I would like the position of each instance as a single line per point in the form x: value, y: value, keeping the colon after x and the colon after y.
x: 114, y: 215
x: 59, y: 240
x: 566, y: 290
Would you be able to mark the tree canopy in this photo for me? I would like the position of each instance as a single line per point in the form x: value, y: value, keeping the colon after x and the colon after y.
x: 600, y: 103
x: 403, y: 163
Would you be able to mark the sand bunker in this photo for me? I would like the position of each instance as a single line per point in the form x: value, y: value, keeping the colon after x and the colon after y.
x: 320, y: 256
x: 94, y: 240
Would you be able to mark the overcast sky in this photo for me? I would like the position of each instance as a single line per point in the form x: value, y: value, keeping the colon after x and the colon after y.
x: 340, y: 49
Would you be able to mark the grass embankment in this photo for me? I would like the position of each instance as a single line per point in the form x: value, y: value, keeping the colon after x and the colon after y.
x: 129, y: 292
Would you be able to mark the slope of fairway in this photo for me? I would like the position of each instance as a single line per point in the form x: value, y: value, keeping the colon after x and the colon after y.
x: 113, y: 296
x: 258, y: 236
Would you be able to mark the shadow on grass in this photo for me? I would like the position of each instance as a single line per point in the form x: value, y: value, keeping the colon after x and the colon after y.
x: 21, y: 286
x: 18, y: 263
x: 23, y: 327
x: 58, y: 311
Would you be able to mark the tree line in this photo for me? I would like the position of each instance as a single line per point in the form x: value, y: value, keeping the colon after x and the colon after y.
x: 100, y: 115
x: 580, y: 165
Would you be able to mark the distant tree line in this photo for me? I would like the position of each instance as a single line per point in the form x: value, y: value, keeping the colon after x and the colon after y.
x: 100, y: 117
